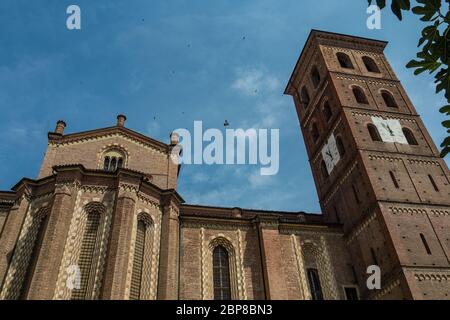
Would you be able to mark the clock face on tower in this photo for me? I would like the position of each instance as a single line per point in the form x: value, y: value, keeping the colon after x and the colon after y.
x: 330, y: 154
x: 390, y: 130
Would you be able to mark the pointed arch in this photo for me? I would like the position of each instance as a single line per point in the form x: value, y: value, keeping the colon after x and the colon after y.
x: 25, y: 255
x: 317, y: 270
x: 236, y: 277
x: 142, y: 255
x: 90, y: 245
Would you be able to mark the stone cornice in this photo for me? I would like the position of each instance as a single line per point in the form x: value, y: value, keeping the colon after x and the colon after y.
x: 317, y: 37
x: 106, y: 132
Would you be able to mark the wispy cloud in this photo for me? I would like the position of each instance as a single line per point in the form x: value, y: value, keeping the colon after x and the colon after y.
x: 254, y: 82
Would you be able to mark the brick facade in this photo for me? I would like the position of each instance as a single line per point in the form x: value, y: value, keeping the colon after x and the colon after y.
x: 73, y: 232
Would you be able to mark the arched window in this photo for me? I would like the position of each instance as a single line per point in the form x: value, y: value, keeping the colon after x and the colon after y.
x: 389, y: 100
x: 344, y: 60
x: 314, y: 284
x: 327, y: 112
x: 41, y: 221
x: 221, y: 274
x: 315, y: 132
x: 340, y: 146
x: 360, y: 96
x: 323, y: 168
x: 113, y: 160
x: 315, y: 76
x: 26, y: 252
x: 370, y: 64
x: 373, y: 131
x: 304, y: 97
x: 138, y: 261
x: 141, y: 269
x: 85, y: 260
x: 409, y: 137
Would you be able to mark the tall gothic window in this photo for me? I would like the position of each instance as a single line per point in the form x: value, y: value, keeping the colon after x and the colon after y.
x: 85, y: 260
x: 41, y: 227
x: 344, y: 60
x: 360, y: 96
x: 371, y: 65
x: 314, y: 284
x: 221, y: 274
x: 138, y: 261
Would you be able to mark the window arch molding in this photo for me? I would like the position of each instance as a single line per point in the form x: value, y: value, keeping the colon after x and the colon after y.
x: 118, y: 150
x: 25, y: 254
x: 314, y: 254
x: 91, y: 243
x: 142, y: 281
x: 237, y: 281
x: 93, y: 214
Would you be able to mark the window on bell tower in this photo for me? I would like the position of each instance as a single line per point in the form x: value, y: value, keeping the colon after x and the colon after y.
x: 373, y: 131
x: 389, y: 100
x: 371, y: 65
x: 344, y: 60
x: 315, y: 77
x: 409, y: 137
x: 360, y: 96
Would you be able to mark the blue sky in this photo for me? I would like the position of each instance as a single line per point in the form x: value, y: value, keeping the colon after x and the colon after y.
x: 180, y: 61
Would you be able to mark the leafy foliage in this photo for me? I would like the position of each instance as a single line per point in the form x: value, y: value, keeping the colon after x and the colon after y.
x: 434, y: 47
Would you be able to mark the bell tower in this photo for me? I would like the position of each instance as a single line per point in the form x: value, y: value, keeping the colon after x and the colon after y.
x: 376, y: 168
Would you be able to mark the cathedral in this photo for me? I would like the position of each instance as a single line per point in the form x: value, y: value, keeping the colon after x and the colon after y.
x: 104, y: 220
